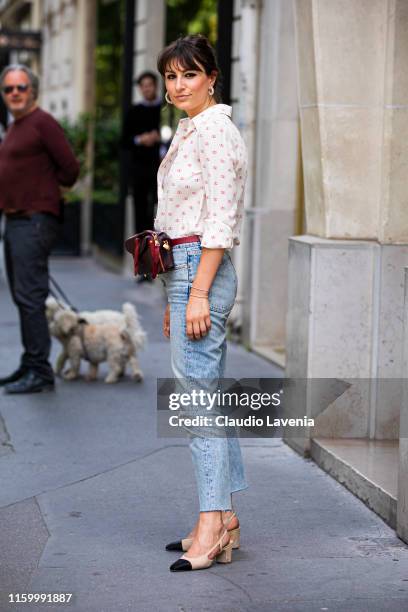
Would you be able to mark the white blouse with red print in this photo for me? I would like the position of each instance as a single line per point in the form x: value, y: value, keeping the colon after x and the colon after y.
x: 202, y: 178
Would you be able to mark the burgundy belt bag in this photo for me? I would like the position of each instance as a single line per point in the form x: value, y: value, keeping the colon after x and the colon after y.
x: 151, y: 252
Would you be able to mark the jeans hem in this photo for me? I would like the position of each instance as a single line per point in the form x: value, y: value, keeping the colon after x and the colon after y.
x: 241, y: 488
x: 217, y: 508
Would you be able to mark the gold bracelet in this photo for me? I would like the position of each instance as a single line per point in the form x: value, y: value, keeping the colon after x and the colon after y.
x: 200, y: 297
x: 198, y: 289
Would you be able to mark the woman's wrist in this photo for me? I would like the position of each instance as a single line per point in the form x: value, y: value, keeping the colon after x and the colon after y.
x: 199, y: 293
x: 199, y: 289
x: 199, y: 297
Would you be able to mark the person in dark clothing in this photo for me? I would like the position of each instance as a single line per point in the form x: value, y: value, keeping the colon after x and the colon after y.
x: 141, y: 134
x: 3, y: 119
x: 35, y: 161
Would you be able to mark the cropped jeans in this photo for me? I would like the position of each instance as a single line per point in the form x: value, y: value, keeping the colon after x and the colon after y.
x: 200, y: 363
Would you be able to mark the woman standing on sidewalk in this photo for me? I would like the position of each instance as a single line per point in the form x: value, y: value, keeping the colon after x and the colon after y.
x: 200, y: 191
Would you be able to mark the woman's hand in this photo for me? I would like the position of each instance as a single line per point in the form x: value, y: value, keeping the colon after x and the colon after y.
x: 198, y: 319
x: 166, y: 322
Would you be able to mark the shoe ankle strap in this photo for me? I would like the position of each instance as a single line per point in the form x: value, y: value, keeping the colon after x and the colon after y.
x: 218, y: 543
x: 229, y: 519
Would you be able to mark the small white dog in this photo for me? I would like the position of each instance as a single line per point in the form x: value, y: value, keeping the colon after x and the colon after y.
x: 103, y: 335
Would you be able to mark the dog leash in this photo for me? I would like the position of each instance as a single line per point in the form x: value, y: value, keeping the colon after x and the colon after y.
x: 59, y: 291
x: 81, y: 322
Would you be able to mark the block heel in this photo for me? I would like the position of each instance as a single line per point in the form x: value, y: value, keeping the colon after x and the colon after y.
x: 225, y: 555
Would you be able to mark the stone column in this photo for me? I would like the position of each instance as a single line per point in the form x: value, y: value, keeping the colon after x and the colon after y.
x: 149, y: 35
x: 264, y: 99
x: 85, y: 79
x: 245, y: 68
x: 276, y: 210
x: 346, y: 276
x: 402, y: 501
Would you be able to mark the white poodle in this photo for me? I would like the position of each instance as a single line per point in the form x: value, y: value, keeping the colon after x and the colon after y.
x: 103, y: 335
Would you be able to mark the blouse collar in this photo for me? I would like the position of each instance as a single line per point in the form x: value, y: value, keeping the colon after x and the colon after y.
x: 215, y: 109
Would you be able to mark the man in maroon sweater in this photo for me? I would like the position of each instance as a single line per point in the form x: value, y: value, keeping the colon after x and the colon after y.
x: 35, y: 160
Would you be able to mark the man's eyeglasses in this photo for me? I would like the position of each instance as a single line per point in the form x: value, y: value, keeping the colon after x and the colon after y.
x: 8, y: 89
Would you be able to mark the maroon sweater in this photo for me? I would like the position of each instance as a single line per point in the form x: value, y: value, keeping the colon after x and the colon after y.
x: 35, y: 158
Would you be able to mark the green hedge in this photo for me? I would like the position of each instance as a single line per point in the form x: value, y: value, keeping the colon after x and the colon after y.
x: 106, y: 161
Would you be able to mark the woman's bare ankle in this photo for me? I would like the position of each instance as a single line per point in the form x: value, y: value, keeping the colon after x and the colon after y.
x: 212, y: 520
x: 230, y: 523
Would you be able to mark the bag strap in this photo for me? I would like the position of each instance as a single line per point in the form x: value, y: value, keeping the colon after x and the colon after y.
x: 136, y: 256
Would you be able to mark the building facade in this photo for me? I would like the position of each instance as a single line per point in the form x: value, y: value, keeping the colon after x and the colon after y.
x: 66, y: 59
x: 346, y: 273
x: 320, y: 94
x: 68, y: 75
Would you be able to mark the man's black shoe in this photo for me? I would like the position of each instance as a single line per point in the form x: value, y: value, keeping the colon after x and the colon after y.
x: 13, y: 377
x: 146, y: 278
x: 30, y: 382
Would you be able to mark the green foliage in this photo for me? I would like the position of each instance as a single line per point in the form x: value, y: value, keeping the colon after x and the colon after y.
x: 108, y: 56
x: 77, y: 133
x: 108, y: 63
x: 106, y: 153
x: 106, y: 165
x: 191, y: 17
x: 103, y: 196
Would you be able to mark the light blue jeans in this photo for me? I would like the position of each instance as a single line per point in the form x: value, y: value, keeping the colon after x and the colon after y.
x: 216, y: 458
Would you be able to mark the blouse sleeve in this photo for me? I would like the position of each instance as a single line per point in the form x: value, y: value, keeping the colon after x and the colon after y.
x: 219, y: 160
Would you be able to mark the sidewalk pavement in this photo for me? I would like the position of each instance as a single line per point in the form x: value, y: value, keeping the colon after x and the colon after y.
x: 89, y: 496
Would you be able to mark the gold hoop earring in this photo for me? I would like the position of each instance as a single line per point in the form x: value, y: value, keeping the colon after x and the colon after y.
x: 168, y: 99
x: 211, y: 91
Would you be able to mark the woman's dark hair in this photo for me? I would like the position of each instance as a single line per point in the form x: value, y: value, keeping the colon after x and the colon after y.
x: 191, y: 53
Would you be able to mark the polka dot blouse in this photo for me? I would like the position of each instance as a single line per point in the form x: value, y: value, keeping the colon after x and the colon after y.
x: 202, y: 178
